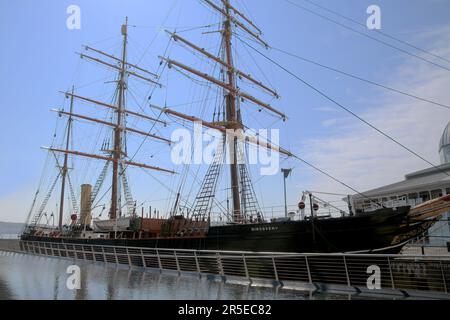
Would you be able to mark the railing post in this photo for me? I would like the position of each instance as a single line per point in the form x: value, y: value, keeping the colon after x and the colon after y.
x: 67, y: 251
x: 82, y: 251
x: 144, y: 264
x: 104, y: 255
x: 245, y: 266
x: 115, y: 255
x: 159, y: 259
x: 443, y: 277
x: 93, y: 254
x: 176, y: 261
x: 196, y: 263
x: 390, y: 272
x: 346, y: 272
x: 309, y: 271
x: 275, y: 269
x: 129, y: 258
x: 219, y: 263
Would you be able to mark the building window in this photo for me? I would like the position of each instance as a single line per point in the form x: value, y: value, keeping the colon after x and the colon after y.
x: 436, y: 194
x: 412, y: 196
x: 412, y: 199
x: 424, y: 196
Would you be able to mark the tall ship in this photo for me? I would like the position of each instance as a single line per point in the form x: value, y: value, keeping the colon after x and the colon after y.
x: 241, y: 225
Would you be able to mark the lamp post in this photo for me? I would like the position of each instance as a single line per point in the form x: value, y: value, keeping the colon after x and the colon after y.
x: 286, y: 173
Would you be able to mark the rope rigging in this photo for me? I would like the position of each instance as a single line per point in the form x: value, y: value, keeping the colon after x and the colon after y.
x: 369, y: 36
x: 219, y: 109
x: 360, y: 78
x: 348, y: 110
x: 378, y: 31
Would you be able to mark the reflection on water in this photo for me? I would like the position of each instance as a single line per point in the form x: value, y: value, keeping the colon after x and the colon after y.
x: 25, y: 276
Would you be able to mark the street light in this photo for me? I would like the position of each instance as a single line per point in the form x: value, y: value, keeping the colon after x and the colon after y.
x: 286, y: 173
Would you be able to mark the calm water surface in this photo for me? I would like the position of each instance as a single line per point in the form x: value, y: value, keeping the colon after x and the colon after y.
x: 24, y: 276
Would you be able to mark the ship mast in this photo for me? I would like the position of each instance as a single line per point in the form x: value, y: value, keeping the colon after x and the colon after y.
x: 117, y: 156
x: 117, y: 152
x: 232, y: 125
x: 64, y: 168
x: 231, y: 116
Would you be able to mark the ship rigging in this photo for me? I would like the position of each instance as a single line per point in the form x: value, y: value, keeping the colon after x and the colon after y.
x: 188, y: 225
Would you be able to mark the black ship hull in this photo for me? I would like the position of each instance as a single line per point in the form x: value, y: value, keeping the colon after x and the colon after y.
x: 385, y: 230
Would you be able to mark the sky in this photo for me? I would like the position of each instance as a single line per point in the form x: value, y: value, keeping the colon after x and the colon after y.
x: 38, y: 59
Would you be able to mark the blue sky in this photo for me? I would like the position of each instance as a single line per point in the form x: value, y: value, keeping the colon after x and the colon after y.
x: 37, y: 60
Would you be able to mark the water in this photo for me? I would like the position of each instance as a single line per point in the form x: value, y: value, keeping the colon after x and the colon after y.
x: 9, y: 236
x: 24, y: 276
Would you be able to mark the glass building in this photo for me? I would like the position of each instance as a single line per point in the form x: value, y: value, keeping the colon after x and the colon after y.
x: 444, y: 145
x: 416, y: 188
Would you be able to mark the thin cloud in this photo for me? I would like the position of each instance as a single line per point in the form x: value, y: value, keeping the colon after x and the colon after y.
x: 363, y: 158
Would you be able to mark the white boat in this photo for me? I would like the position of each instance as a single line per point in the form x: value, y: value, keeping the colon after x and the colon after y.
x: 119, y: 224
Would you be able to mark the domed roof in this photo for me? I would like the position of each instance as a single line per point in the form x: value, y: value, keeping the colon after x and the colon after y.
x: 445, y: 139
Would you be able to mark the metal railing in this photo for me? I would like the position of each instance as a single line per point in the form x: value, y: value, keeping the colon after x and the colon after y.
x: 398, y: 272
x: 418, y: 249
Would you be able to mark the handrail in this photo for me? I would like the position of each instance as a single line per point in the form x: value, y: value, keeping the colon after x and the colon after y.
x: 263, y: 253
x: 399, y: 272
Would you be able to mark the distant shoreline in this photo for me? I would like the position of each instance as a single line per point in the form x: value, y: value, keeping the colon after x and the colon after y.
x: 10, y: 228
